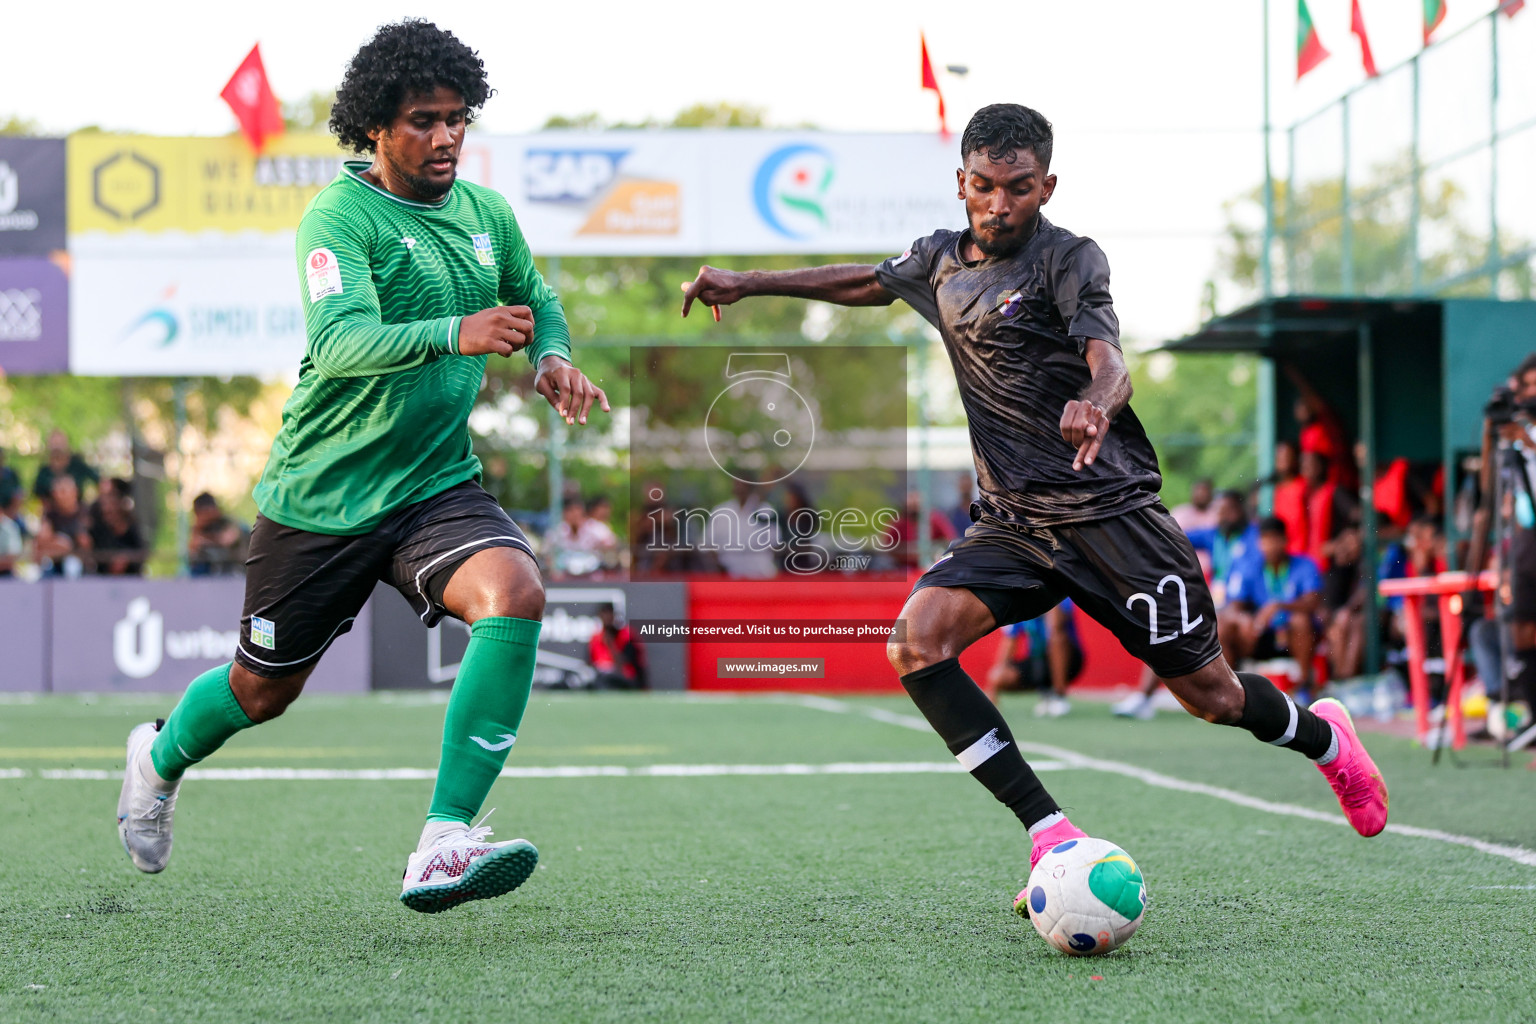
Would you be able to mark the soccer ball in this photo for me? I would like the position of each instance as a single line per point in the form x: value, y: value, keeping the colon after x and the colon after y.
x: 1085, y: 897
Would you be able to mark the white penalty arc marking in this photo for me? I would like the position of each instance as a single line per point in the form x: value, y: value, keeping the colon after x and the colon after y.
x: 577, y: 771
x: 1072, y: 759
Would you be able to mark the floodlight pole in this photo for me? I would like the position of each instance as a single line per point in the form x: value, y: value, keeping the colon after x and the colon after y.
x: 1266, y: 271
x: 1264, y: 382
x: 179, y: 399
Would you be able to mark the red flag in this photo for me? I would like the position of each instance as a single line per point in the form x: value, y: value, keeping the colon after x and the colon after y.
x: 1512, y: 7
x: 931, y: 81
x: 249, y: 95
x: 1357, y: 26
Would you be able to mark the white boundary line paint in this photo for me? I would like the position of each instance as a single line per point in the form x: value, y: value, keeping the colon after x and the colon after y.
x: 578, y: 771
x: 1072, y: 759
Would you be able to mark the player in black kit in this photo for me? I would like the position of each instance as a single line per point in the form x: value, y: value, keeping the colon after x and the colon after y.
x: 1069, y: 507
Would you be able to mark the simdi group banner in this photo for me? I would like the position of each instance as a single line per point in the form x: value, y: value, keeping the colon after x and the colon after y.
x: 182, y: 248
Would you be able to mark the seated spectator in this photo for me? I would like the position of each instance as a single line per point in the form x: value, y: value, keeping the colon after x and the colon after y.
x: 1233, y: 538
x: 1330, y: 508
x: 1041, y: 654
x: 959, y: 514
x: 1199, y: 512
x: 11, y: 490
x: 62, y: 461
x: 903, y: 533
x: 12, y: 544
x: 63, y: 532
x: 600, y: 516
x: 216, y: 545
x: 117, y: 547
x: 618, y: 657
x: 1290, y: 498
x: 578, y: 544
x: 1270, y: 606
x: 736, y: 533
x: 1344, y: 605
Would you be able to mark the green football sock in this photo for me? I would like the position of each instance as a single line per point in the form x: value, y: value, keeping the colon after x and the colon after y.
x: 206, y: 716
x: 484, y: 710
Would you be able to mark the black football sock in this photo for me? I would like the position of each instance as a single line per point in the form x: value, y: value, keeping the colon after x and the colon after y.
x: 1274, y: 718
x: 975, y: 732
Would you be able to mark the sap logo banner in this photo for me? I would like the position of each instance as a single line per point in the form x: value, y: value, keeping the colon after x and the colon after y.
x: 589, y: 182
x: 32, y: 189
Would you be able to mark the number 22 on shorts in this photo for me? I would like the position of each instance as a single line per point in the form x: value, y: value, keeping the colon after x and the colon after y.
x: 1130, y: 603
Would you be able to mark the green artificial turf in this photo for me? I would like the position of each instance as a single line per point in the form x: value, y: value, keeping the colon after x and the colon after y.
x: 743, y: 898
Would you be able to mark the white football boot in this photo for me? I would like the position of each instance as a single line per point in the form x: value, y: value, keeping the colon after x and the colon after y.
x: 1137, y: 705
x: 461, y: 866
x: 146, y: 805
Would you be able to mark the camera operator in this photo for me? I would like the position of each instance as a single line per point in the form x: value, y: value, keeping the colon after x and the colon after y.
x: 1507, y: 470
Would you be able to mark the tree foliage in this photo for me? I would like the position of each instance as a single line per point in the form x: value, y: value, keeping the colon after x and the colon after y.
x: 1311, y: 260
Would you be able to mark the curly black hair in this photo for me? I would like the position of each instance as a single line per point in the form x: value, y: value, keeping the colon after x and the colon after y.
x: 1003, y: 128
x: 410, y: 56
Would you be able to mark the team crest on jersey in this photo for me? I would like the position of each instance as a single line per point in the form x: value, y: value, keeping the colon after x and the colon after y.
x: 263, y: 632
x: 323, y: 274
x: 483, y: 251
x: 1011, y: 303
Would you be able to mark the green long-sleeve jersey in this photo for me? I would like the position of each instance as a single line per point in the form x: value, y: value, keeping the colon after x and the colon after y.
x: 380, y: 417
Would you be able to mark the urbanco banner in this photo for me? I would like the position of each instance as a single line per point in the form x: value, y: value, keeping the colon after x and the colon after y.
x: 142, y: 635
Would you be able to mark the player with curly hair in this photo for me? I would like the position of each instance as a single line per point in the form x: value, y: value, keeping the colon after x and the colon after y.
x: 410, y: 280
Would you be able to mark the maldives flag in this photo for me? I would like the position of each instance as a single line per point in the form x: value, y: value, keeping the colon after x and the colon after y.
x: 1357, y: 26
x: 1309, y: 48
x: 249, y: 95
x: 1434, y: 14
x: 931, y: 81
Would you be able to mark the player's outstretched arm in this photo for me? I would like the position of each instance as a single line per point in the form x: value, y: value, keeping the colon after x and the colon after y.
x: 845, y: 284
x: 1085, y: 420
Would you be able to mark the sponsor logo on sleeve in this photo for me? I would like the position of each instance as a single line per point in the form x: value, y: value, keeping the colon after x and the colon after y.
x: 322, y: 273
x: 899, y: 260
x: 483, y: 251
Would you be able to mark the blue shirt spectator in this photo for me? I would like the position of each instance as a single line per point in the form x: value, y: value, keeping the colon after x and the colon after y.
x: 1259, y: 582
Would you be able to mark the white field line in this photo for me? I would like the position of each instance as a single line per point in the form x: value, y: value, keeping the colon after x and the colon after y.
x: 1072, y: 759
x: 582, y: 771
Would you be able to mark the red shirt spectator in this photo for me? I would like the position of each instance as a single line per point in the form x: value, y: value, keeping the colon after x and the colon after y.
x: 903, y: 532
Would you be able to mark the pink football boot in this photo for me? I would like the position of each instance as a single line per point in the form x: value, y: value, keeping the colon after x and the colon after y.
x: 1355, y: 779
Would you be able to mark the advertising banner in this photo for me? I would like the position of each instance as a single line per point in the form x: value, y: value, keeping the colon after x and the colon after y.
x: 157, y: 635
x: 695, y: 192
x: 31, y: 196
x: 408, y: 655
x: 144, y: 183
x: 34, y: 316
x: 166, y: 307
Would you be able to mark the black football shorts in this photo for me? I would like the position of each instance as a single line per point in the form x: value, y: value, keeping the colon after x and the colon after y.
x: 1135, y: 574
x: 303, y: 590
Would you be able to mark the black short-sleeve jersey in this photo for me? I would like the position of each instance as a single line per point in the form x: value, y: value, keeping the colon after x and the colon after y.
x: 1016, y: 328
